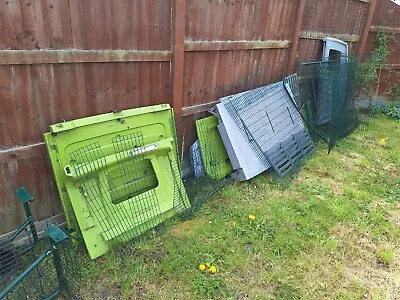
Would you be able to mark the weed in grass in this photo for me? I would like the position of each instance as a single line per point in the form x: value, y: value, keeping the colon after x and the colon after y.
x: 209, y: 286
x: 286, y: 291
x: 386, y: 257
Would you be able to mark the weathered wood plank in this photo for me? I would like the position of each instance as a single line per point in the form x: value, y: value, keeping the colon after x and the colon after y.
x: 295, y: 38
x: 393, y: 66
x: 234, y: 45
x: 385, y: 29
x: 179, y: 9
x: 195, y: 109
x: 22, y: 152
x: 367, y: 26
x: 18, y: 57
x: 354, y: 38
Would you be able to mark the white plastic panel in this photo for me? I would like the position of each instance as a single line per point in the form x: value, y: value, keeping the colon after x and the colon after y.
x: 240, y: 153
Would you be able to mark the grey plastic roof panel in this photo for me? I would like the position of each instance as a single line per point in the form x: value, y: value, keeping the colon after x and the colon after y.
x: 271, y: 124
x: 244, y: 161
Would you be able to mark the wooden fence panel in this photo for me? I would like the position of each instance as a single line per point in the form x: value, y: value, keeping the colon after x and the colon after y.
x: 89, y: 24
x: 343, y: 19
x: 387, y: 19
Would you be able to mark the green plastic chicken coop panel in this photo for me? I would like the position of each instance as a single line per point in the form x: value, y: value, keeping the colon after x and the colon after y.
x: 117, y: 173
x: 213, y: 153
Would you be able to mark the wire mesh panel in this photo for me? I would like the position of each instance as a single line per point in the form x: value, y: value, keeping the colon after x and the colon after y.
x: 38, y: 268
x: 291, y: 83
x: 213, y: 153
x: 327, y: 94
x: 210, y: 168
x: 270, y: 122
x: 120, y: 172
x: 108, y: 194
x: 44, y: 281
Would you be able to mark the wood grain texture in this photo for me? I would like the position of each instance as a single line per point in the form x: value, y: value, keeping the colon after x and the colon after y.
x: 24, y: 57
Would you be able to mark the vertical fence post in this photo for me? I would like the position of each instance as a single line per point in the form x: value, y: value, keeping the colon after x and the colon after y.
x: 366, y: 28
x: 178, y: 48
x: 291, y: 64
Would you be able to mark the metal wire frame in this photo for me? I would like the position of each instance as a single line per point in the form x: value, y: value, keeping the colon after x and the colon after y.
x: 270, y: 122
x: 132, y: 176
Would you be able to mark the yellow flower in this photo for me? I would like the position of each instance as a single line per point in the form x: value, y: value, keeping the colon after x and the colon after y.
x: 252, y: 217
x: 213, y: 269
x: 202, y: 267
x: 208, y: 265
x: 383, y: 140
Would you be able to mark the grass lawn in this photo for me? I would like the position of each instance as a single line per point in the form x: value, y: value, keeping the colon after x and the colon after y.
x: 334, y: 233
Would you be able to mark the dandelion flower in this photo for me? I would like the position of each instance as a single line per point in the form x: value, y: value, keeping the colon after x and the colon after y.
x: 208, y: 265
x: 202, y: 267
x: 213, y: 269
x: 252, y: 217
x: 383, y: 140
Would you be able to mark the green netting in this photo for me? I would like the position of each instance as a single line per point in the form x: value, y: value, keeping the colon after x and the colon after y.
x: 327, y: 99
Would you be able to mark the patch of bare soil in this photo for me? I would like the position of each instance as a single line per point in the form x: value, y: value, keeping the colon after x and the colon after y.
x: 184, y: 228
x: 359, y: 254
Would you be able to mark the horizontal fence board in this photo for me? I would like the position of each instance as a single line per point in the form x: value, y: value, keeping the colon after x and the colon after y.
x: 234, y: 45
x: 22, y: 152
x: 195, y: 109
x: 20, y: 57
x: 354, y: 38
x: 386, y: 29
x: 211, y: 75
x: 393, y: 66
x: 41, y: 226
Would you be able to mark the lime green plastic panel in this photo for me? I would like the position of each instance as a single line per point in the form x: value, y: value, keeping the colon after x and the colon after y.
x: 117, y: 173
x: 213, y: 153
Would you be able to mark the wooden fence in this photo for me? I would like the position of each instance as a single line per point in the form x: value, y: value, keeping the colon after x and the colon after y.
x: 66, y: 59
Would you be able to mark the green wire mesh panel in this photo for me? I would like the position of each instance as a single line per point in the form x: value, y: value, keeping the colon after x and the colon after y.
x: 43, y: 268
x: 210, y: 169
x: 327, y: 97
x: 213, y: 153
x: 120, y: 172
x: 108, y: 194
x: 33, y: 268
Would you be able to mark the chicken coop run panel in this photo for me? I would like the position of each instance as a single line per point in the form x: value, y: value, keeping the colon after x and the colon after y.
x: 117, y: 173
x: 271, y: 124
x: 244, y: 161
x: 213, y: 153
